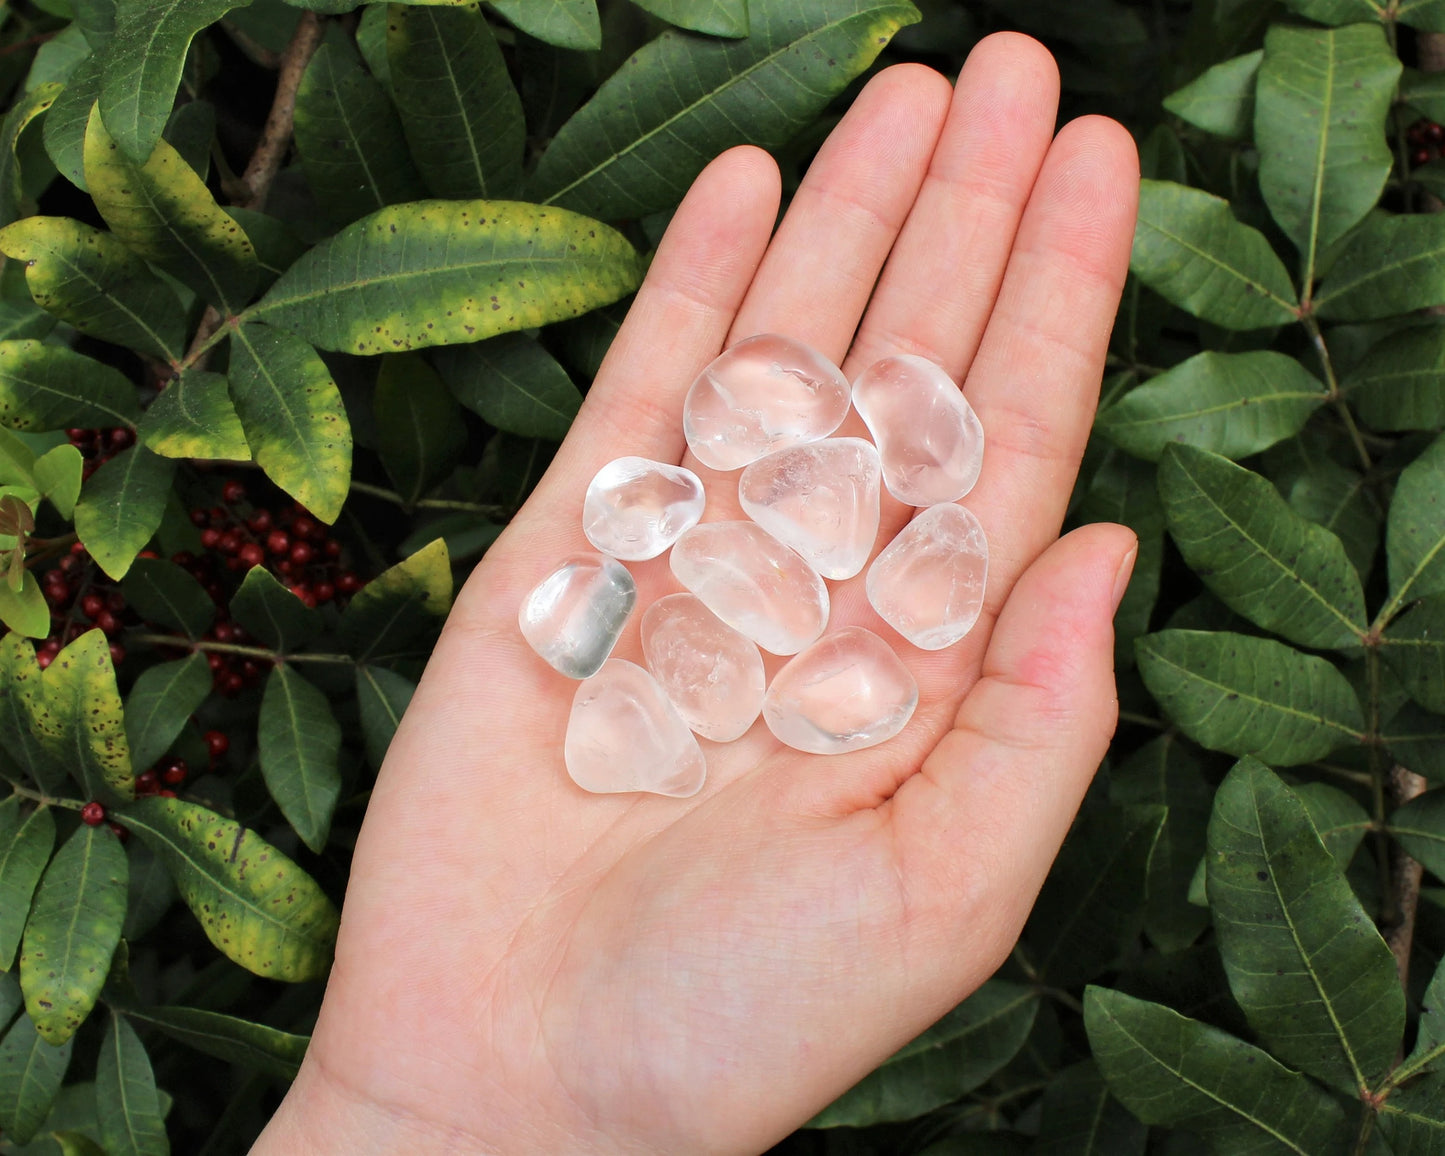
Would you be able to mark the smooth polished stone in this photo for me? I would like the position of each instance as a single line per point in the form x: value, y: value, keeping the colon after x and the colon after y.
x: 574, y: 616
x: 764, y: 394
x: 928, y: 583
x: 822, y: 500
x: 753, y: 583
x: 636, y: 508
x: 710, y: 672
x: 847, y: 691
x: 927, y: 434
x: 623, y: 735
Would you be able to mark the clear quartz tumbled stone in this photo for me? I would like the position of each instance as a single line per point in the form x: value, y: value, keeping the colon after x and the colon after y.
x: 574, y: 616
x: 820, y: 499
x: 847, y: 691
x: 753, y: 583
x: 927, y: 434
x: 928, y: 583
x: 763, y: 394
x: 636, y: 508
x: 624, y: 735
x: 710, y: 672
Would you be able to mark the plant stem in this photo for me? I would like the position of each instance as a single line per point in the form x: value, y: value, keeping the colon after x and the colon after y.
x: 42, y: 798
x: 1317, y: 338
x: 276, y: 135
x: 260, y: 652
x: 1143, y: 720
x: 1406, y: 873
x: 430, y: 503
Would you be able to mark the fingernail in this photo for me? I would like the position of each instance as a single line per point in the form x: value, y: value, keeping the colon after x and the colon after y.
x: 1121, y: 579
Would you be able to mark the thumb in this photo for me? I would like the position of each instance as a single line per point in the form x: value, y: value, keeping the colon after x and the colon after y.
x: 991, y: 805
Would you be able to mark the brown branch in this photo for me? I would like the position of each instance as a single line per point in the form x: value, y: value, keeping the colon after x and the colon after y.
x: 197, y: 352
x: 1405, y: 875
x: 276, y: 135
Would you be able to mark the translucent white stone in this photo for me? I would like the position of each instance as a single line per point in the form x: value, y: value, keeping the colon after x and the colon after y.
x: 623, y: 735
x: 928, y: 436
x: 710, y: 672
x: 636, y: 508
x: 847, y: 691
x: 764, y: 394
x: 822, y: 500
x: 573, y: 617
x: 753, y: 583
x: 928, y: 582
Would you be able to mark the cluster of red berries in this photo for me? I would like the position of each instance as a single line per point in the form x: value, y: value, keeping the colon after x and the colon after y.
x: 1426, y: 138
x: 98, y: 446
x: 159, y: 782
x: 78, y: 601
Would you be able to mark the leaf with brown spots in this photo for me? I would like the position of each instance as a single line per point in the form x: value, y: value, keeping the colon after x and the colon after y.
x: 82, y: 721
x: 258, y: 908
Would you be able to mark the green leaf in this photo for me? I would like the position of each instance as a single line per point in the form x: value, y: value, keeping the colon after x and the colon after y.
x: 1305, y: 963
x: 420, y: 433
x: 229, y: 1038
x: 513, y: 384
x: 1414, y: 646
x: 83, y: 722
x: 565, y: 23
x: 1424, y: 92
x: 1413, y: 1118
x: 1319, y: 124
x: 1235, y: 404
x: 352, y: 147
x: 22, y: 713
x: 73, y: 929
x: 399, y: 605
x: 57, y: 58
x: 1250, y: 696
x: 637, y: 144
x: 1081, y: 1118
x: 272, y: 613
x: 31, y: 1072
x: 92, y: 281
x: 257, y: 907
x: 25, y: 845
x: 382, y: 697
x: 1416, y: 739
x: 1430, y: 1034
x: 11, y: 999
x: 25, y: 109
x: 77, y: 1144
x: 161, y: 702
x: 163, y: 211
x: 25, y: 611
x: 1190, y: 249
x: 1428, y: 15
x: 45, y: 387
x: 1400, y: 384
x: 1123, y: 491
x: 1419, y: 827
x: 58, y: 475
x: 463, y: 118
x: 293, y: 415
x: 1338, y: 11
x: 299, y: 743
x: 1338, y: 499
x: 277, y: 244
x: 1174, y: 1071
x: 164, y: 593
x: 1092, y: 905
x: 143, y: 66
x: 446, y: 272
x: 64, y: 129
x: 1263, y: 560
x: 1415, y: 530
x: 713, y: 17
x: 125, y: 1095
x: 954, y: 1056
x: 1167, y: 772
x: 1221, y: 101
x: 194, y: 417
x: 1390, y: 265
x: 191, y: 129
x: 1339, y: 821
x: 151, y: 892
x: 121, y: 507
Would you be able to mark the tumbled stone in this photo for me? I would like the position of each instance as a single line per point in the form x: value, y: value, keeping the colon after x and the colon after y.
x: 624, y: 735
x: 763, y: 394
x: 928, y: 436
x: 847, y: 691
x: 636, y: 508
x: 753, y: 583
x: 710, y: 672
x: 928, y: 583
x: 574, y: 616
x: 822, y: 500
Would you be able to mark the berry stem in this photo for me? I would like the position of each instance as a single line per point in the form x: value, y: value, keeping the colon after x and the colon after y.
x: 42, y: 798
x: 430, y: 503
x: 260, y: 652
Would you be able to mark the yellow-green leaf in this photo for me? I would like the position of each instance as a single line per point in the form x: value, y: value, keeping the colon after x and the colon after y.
x: 400, y: 604
x: 58, y: 474
x: 25, y: 610
x: 25, y: 846
x: 194, y: 417
x: 46, y: 387
x: 122, y: 506
x: 22, y: 711
x: 82, y: 720
x: 24, y: 110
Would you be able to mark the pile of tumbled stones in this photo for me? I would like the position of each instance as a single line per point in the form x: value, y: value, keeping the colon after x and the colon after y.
x: 767, y: 406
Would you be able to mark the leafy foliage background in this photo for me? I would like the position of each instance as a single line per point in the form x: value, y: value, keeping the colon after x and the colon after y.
x: 296, y: 303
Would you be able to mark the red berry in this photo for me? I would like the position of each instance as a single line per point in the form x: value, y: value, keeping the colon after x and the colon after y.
x: 284, y: 566
x: 147, y: 782
x: 70, y: 563
x: 79, y: 435
x: 224, y: 632
x: 183, y: 558
x: 251, y: 670
x: 92, y: 814
x: 301, y: 553
x: 50, y: 646
x: 332, y: 548
x: 252, y: 554
x: 278, y: 542
x: 199, y: 517
x: 92, y: 605
x: 210, y: 538
x: 325, y: 592
x: 215, y: 661
x: 117, y: 653
x: 233, y: 492
x: 230, y: 542
x: 78, y: 549
x: 259, y: 522
x: 175, y: 774
x: 121, y: 833
x: 166, y: 794
x: 347, y: 582
x: 108, y: 622
x: 1419, y: 157
x: 1435, y: 133
x: 232, y: 683
x: 122, y: 438
x: 218, y: 743
x: 44, y: 658
x: 303, y: 527
x: 147, y: 554
x: 115, y: 602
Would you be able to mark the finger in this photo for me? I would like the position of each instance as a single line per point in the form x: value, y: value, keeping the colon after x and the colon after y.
x: 980, y: 823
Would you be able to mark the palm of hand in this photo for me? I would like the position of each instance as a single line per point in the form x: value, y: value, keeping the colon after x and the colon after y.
x: 524, y: 967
